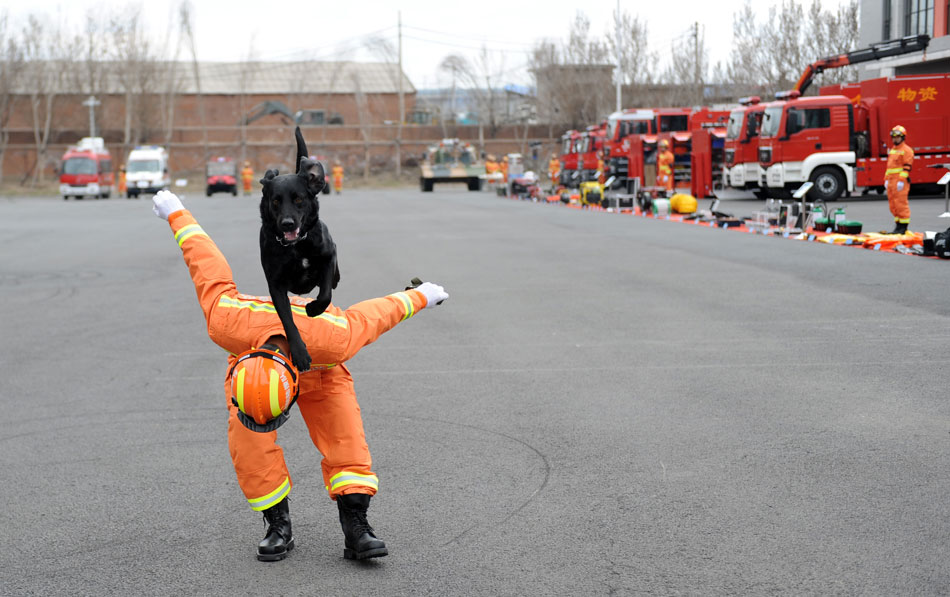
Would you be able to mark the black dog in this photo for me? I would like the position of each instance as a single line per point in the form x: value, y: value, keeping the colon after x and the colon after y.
x: 296, y: 249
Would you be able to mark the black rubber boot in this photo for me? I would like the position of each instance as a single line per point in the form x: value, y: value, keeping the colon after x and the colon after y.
x: 361, y: 542
x: 279, y: 540
x: 899, y: 228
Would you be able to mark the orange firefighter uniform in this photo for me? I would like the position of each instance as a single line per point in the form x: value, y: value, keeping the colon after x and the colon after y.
x: 600, y: 171
x: 554, y: 170
x: 327, y: 401
x: 664, y: 167
x: 337, y: 174
x: 491, y: 166
x: 123, y: 185
x: 247, y: 175
x: 504, y: 169
x: 897, y: 181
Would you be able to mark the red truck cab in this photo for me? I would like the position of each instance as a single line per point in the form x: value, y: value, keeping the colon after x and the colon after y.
x: 840, y: 142
x: 86, y: 170
x: 570, y: 144
x: 741, y: 155
x: 590, y: 152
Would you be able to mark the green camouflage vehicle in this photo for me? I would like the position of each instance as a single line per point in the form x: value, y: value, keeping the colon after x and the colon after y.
x: 451, y: 161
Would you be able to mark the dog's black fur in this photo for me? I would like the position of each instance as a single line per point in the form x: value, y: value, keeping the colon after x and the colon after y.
x: 297, y: 251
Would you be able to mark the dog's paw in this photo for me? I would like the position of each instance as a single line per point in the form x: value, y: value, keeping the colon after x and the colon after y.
x: 300, y: 356
x: 316, y: 307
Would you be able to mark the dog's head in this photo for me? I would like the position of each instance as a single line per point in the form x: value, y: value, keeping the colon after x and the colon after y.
x: 289, y: 205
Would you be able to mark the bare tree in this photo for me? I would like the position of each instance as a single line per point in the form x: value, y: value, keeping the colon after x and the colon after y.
x: 481, y: 78
x: 11, y: 71
x: 570, y: 77
x: 49, y: 55
x: 627, y: 45
x: 184, y: 14
x: 384, y: 49
x: 689, y: 71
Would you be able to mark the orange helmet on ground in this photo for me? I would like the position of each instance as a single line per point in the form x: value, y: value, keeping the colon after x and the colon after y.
x: 898, y: 131
x: 263, y: 388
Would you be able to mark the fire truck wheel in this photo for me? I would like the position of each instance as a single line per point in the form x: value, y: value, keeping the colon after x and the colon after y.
x: 829, y: 184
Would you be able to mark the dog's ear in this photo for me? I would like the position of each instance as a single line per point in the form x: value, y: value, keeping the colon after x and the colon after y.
x: 312, y: 171
x: 268, y: 176
x: 301, y: 147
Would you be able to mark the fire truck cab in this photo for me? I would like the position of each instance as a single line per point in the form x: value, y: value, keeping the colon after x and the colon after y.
x: 742, y: 169
x: 86, y: 170
x: 840, y: 143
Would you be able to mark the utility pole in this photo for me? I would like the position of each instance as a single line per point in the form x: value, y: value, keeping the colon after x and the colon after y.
x: 619, y: 53
x: 402, y: 102
x: 92, y: 102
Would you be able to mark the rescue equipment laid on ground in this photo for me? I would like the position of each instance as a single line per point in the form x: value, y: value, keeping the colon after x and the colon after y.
x: 849, y: 227
x: 682, y: 203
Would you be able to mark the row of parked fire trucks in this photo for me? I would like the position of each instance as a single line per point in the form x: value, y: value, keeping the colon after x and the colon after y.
x: 838, y: 140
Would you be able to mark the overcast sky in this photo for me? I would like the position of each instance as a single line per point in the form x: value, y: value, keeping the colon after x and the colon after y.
x: 282, y: 29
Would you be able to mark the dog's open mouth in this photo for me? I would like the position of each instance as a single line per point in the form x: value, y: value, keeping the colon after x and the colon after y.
x: 292, y: 235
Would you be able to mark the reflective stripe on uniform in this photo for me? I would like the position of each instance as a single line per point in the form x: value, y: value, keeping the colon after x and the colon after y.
x: 890, y: 171
x: 407, y: 302
x: 227, y: 301
x: 240, y: 389
x: 345, y: 478
x: 265, y: 502
x: 187, y: 232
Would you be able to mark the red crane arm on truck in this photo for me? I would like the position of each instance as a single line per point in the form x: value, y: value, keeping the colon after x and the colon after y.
x: 894, y: 47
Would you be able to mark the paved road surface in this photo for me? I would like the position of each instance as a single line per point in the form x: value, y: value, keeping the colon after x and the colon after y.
x: 607, y: 405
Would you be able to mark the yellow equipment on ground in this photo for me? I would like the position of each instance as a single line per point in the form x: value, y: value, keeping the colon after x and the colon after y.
x: 592, y: 193
x: 682, y: 203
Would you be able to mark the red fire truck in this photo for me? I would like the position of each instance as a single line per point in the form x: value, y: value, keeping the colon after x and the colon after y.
x: 569, y: 158
x: 742, y: 163
x: 632, y: 153
x: 742, y: 145
x: 840, y: 143
x: 590, y: 150
x: 86, y: 170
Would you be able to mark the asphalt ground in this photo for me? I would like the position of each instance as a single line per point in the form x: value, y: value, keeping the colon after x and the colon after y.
x: 606, y: 405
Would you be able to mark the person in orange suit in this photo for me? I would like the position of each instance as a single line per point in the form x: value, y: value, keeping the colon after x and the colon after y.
x: 664, y: 167
x: 600, y: 171
x: 554, y: 170
x: 504, y: 169
x: 900, y: 159
x: 491, y: 165
x: 337, y: 173
x: 123, y: 185
x: 327, y: 402
x: 247, y: 175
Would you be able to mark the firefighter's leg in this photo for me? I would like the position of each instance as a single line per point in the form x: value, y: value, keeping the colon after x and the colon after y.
x: 328, y: 405
x: 258, y: 462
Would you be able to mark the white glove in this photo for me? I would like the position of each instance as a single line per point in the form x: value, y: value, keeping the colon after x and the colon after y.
x: 165, y: 203
x: 885, y: 185
x: 434, y: 293
x: 900, y: 185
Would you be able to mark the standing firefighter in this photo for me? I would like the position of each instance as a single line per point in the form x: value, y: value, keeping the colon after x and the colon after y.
x: 123, y: 185
x: 247, y: 175
x: 897, y: 179
x: 262, y: 386
x: 337, y: 173
x: 664, y: 167
x: 554, y: 170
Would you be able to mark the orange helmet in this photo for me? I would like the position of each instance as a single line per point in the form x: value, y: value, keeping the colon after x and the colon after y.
x: 263, y: 388
x: 898, y: 131
x: 664, y: 143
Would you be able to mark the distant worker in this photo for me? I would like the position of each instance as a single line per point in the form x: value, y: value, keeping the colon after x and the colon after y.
x: 554, y: 170
x: 123, y: 186
x: 337, y: 173
x: 897, y: 179
x: 664, y: 167
x: 600, y: 171
x: 247, y: 175
x: 504, y: 169
x: 491, y: 165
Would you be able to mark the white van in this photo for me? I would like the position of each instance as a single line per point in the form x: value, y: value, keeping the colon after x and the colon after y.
x: 146, y: 170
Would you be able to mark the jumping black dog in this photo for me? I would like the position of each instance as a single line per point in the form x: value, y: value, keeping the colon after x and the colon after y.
x: 297, y: 251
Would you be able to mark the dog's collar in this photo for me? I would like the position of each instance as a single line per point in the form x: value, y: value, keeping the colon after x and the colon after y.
x: 285, y: 243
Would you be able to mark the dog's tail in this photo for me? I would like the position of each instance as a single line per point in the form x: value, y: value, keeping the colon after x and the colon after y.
x: 301, y: 148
